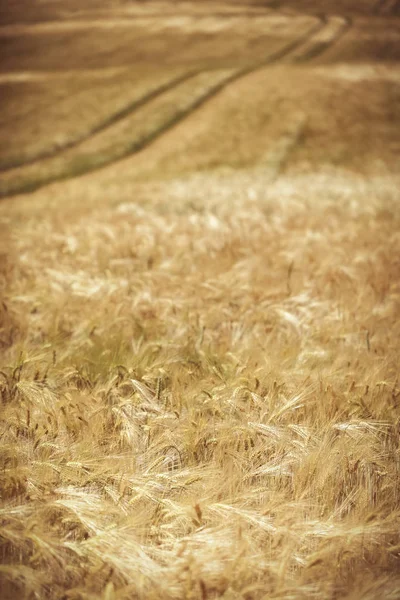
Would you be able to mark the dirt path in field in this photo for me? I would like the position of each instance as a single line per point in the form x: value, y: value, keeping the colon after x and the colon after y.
x: 321, y: 36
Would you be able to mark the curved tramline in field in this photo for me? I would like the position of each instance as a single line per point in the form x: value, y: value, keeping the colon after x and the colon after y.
x: 138, y: 101
x: 136, y: 126
x: 135, y: 104
x: 335, y: 28
x: 129, y: 79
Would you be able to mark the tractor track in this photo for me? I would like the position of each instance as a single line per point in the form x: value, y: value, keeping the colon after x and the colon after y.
x: 322, y: 45
x: 18, y: 185
x: 111, y: 120
x: 139, y: 103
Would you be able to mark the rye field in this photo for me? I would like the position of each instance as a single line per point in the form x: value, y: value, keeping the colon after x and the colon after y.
x: 200, y: 300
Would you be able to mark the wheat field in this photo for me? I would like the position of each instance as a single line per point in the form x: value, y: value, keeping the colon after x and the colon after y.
x: 199, y: 379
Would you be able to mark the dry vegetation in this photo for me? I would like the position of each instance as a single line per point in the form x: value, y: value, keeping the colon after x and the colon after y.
x: 202, y: 399
x: 199, y: 355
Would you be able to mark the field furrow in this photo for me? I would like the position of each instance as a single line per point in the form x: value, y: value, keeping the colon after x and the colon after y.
x: 155, y: 89
x: 335, y: 28
x: 135, y: 126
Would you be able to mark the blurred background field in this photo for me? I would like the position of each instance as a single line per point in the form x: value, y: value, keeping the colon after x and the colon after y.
x: 200, y: 300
